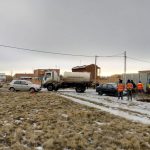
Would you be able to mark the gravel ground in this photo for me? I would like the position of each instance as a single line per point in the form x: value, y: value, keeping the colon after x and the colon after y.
x: 46, y: 121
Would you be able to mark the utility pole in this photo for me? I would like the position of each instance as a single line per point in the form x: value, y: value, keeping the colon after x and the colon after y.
x: 125, y: 66
x: 95, y: 69
x: 11, y: 72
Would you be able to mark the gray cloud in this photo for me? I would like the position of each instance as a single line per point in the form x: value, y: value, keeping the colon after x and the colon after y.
x: 102, y: 27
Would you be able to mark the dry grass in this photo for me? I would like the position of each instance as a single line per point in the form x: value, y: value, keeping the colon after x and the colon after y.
x: 143, y: 98
x: 45, y: 119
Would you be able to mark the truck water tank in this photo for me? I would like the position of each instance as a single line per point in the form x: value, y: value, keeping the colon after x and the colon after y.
x: 76, y: 77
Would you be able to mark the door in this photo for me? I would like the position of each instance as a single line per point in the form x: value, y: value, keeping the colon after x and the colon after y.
x: 111, y: 89
x: 24, y: 86
x: 17, y: 85
x: 104, y: 89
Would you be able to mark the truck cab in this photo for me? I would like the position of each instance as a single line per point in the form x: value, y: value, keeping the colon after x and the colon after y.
x: 50, y: 79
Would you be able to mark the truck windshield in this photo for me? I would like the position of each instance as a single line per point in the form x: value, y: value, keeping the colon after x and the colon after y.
x: 48, y: 75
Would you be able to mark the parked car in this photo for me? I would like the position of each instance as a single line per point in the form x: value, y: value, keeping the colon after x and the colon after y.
x: 108, y: 89
x: 23, y: 85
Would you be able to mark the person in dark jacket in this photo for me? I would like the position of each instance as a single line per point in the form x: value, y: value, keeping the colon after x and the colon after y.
x: 134, y: 85
x: 148, y: 87
x: 134, y: 88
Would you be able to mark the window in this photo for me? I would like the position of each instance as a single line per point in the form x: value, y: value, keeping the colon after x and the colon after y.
x: 48, y: 75
x: 17, y: 82
x: 28, y: 82
x: 109, y: 86
x: 23, y: 83
x: 104, y: 85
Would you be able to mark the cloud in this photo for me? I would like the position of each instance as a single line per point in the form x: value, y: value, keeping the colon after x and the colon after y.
x: 88, y: 27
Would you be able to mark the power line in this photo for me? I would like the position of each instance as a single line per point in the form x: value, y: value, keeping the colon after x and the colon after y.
x: 76, y: 55
x: 116, y: 55
x: 137, y: 59
x: 40, y: 51
x: 68, y: 54
x: 55, y: 53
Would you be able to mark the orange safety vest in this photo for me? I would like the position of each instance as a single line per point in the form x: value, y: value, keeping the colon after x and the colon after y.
x: 140, y: 86
x: 120, y: 87
x: 129, y: 86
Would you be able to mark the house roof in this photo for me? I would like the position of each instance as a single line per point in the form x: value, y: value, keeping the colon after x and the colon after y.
x: 84, y: 66
x: 144, y: 71
x: 79, y: 67
x: 24, y: 75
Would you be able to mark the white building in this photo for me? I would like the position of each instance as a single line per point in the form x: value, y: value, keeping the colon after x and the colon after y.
x: 143, y: 76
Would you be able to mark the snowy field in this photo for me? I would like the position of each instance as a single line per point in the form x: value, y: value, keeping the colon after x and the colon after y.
x: 133, y: 110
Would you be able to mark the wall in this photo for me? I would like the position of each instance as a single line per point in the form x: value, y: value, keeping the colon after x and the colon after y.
x: 144, y: 77
x: 133, y: 76
x: 110, y: 79
x: 89, y: 68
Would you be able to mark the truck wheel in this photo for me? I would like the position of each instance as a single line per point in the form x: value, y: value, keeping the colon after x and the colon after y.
x: 50, y: 87
x: 56, y: 88
x: 80, y: 89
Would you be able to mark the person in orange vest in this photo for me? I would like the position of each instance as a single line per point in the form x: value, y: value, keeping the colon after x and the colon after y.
x: 120, y: 89
x: 129, y: 87
x: 140, y: 87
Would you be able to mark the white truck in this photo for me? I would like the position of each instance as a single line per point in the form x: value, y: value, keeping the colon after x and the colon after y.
x: 78, y: 80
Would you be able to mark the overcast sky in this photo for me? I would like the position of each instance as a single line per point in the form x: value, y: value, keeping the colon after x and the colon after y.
x: 88, y: 27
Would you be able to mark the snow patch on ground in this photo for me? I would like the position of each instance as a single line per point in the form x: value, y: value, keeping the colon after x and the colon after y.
x: 132, y: 110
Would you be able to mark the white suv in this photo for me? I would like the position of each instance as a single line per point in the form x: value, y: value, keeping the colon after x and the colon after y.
x: 23, y: 85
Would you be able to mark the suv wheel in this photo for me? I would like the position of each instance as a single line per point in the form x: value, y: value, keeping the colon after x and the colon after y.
x: 100, y: 93
x: 12, y: 89
x: 32, y: 90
